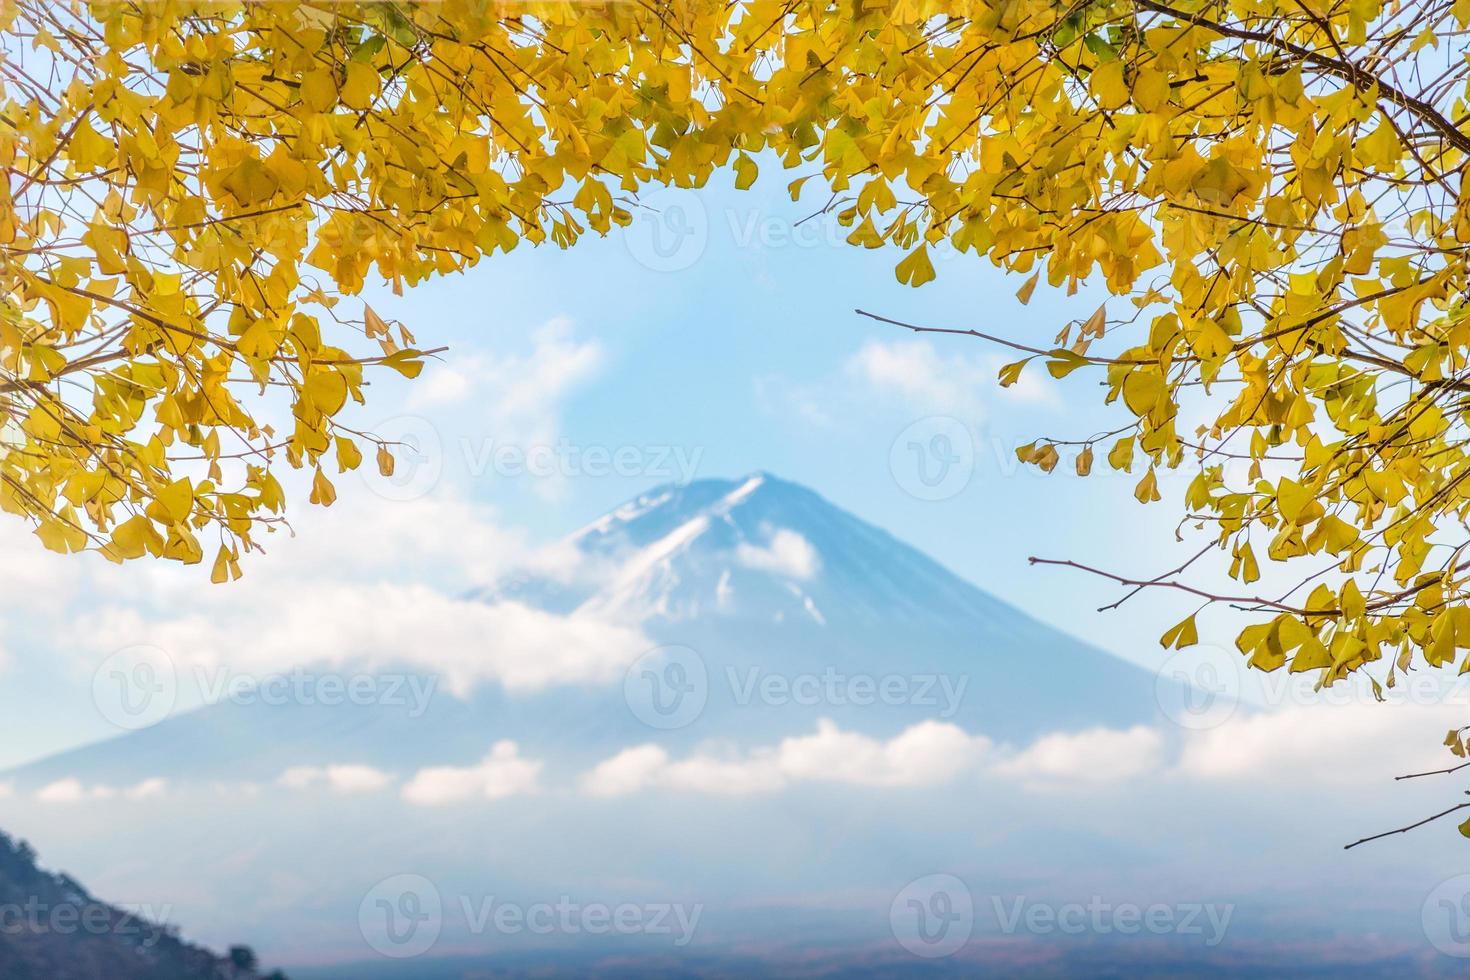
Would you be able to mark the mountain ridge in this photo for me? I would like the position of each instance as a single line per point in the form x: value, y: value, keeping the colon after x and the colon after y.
x: 52, y: 928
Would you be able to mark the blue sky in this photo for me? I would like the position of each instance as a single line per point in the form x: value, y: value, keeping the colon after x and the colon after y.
x: 749, y: 356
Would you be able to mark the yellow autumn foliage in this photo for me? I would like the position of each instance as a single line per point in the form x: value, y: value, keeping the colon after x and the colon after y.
x: 1272, y: 190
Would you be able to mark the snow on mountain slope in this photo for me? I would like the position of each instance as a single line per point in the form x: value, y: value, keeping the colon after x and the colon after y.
x: 754, y: 548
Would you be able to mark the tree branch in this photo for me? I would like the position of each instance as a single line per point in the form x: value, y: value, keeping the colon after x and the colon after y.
x: 1358, y: 78
x: 1405, y: 830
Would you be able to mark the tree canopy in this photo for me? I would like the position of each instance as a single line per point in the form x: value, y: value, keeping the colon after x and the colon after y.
x: 1271, y: 189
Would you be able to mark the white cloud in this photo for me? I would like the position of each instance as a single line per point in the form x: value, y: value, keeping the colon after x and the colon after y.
x: 500, y: 774
x: 627, y: 772
x: 75, y: 791
x: 385, y: 625
x: 708, y: 773
x: 440, y: 540
x: 1097, y: 755
x: 915, y: 376
x: 435, y: 540
x: 1324, y: 743
x: 1316, y: 744
x: 7, y: 790
x: 147, y: 789
x: 1313, y: 744
x: 63, y: 791
x: 786, y: 553
x: 342, y: 599
x: 337, y: 778
x: 522, y: 388
x: 513, y: 399
x: 926, y: 754
x: 432, y: 538
x: 512, y: 385
x: 445, y: 384
x: 925, y: 381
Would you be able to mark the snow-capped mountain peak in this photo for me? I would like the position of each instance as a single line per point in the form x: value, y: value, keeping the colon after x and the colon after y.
x: 713, y: 546
x: 756, y: 548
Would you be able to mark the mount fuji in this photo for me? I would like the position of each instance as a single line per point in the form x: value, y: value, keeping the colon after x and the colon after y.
x: 785, y: 608
x: 794, y: 715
